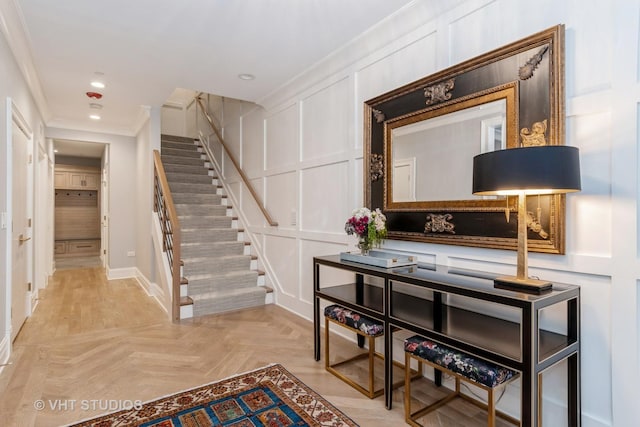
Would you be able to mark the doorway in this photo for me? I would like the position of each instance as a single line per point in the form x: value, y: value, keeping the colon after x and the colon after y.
x: 78, y: 194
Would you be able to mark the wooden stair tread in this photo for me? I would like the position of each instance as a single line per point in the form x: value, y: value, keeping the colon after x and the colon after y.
x: 185, y: 301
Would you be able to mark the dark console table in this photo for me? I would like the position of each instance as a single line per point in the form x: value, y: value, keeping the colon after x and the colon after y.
x: 442, y: 303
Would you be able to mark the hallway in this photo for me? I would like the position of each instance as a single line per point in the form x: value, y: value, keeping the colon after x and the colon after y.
x: 94, y: 340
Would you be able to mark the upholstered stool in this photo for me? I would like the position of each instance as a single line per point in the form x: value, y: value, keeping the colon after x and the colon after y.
x: 370, y: 329
x: 463, y: 367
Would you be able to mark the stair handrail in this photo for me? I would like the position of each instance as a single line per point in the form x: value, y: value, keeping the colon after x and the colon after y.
x: 170, y: 225
x: 244, y: 177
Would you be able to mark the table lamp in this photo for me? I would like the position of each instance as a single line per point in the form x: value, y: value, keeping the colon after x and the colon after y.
x: 546, y: 169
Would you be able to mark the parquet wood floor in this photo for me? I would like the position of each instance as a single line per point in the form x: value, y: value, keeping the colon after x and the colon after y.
x: 91, y: 341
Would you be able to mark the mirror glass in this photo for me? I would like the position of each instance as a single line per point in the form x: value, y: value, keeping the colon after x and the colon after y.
x: 427, y: 154
x: 431, y: 152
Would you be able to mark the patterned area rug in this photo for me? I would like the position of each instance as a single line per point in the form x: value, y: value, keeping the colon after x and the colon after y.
x: 269, y: 396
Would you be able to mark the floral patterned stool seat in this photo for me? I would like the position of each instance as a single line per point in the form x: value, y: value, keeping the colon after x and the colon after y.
x: 463, y: 367
x: 368, y: 328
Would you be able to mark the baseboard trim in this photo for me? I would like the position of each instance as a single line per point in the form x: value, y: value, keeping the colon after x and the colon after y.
x: 152, y: 289
x: 5, y: 350
x: 121, y: 273
x: 144, y: 283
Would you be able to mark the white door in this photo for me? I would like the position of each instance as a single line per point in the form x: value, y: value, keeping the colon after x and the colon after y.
x: 21, y: 231
x: 404, y: 189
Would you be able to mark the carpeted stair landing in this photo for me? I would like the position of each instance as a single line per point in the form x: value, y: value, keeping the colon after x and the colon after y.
x: 219, y: 272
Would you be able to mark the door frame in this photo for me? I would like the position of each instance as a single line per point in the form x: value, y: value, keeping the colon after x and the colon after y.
x: 104, y: 208
x: 43, y: 217
x: 14, y: 116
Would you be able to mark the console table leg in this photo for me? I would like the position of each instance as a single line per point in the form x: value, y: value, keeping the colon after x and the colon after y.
x: 359, y: 300
x: 573, y: 372
x: 388, y: 365
x: 316, y: 328
x: 437, y: 325
x: 316, y: 312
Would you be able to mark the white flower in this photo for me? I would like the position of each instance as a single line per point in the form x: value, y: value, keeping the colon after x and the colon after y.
x: 379, y: 219
x: 361, y: 213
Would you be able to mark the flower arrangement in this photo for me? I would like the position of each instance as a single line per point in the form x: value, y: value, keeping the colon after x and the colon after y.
x: 369, y: 226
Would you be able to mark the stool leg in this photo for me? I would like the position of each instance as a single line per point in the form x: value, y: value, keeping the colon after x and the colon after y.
x: 407, y: 386
x: 491, y: 409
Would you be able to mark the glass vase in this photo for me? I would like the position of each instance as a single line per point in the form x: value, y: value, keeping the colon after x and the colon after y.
x: 364, y: 244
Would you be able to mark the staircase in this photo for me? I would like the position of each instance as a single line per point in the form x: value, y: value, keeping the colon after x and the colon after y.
x: 218, y: 272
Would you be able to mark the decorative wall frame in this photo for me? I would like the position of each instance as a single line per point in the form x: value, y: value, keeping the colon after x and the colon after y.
x: 510, y: 97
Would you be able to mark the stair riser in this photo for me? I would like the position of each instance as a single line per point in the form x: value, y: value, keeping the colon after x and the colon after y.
x: 221, y: 283
x: 187, y: 161
x: 223, y: 304
x: 201, y: 210
x: 206, y: 221
x: 178, y: 145
x: 205, y: 236
x: 211, y: 249
x: 215, y: 266
x: 198, y: 169
x: 190, y: 153
x: 174, y: 138
x: 179, y: 187
x: 189, y: 199
x: 189, y: 178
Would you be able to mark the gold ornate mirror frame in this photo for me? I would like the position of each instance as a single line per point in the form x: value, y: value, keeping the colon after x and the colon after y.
x: 527, y: 77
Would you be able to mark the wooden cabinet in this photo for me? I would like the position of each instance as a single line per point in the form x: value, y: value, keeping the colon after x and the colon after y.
x: 69, y: 248
x: 77, y: 211
x: 77, y: 178
x: 60, y: 247
x: 83, y: 181
x: 61, y: 179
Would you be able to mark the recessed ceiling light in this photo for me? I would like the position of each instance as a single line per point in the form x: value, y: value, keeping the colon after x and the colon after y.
x: 97, y: 84
x: 246, y: 76
x: 55, y: 150
x: 94, y: 117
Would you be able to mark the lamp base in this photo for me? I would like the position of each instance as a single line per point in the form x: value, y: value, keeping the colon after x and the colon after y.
x: 523, y: 285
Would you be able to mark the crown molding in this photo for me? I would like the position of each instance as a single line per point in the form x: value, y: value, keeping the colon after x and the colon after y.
x: 13, y: 29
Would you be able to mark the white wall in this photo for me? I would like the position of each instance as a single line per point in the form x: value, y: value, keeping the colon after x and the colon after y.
x: 122, y: 201
x: 12, y: 85
x: 173, y: 120
x: 303, y: 151
x: 148, y: 139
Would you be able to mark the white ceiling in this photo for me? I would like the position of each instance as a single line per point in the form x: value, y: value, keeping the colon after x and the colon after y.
x: 147, y: 48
